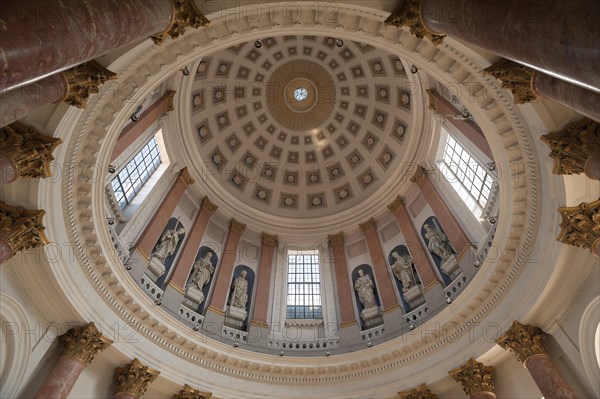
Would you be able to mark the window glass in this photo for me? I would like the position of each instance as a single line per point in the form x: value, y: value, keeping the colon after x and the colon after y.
x: 304, y: 289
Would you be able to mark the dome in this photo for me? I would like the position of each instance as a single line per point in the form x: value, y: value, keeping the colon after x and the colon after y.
x: 280, y: 205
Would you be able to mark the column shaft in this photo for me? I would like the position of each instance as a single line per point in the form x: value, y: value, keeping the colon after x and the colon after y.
x: 135, y: 129
x: 61, y: 380
x: 263, y: 287
x: 417, y: 251
x: 562, y: 40
x: 548, y: 379
x: 159, y: 220
x: 344, y: 291
x: 579, y: 99
x: 221, y: 289
x: 385, y: 286
x: 48, y: 37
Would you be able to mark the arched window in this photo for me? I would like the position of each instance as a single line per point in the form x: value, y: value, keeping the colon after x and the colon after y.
x: 467, y: 176
x: 130, y: 180
x: 304, y: 285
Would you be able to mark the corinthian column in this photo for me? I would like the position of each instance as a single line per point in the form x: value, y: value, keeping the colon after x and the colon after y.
x: 528, y: 85
x: 420, y: 392
x: 580, y: 226
x: 342, y: 283
x: 79, y: 346
x: 263, y: 287
x: 190, y: 393
x: 561, y: 40
x: 476, y: 379
x: 526, y: 342
x: 133, y: 379
x: 43, y: 38
x: 25, y: 152
x: 19, y: 229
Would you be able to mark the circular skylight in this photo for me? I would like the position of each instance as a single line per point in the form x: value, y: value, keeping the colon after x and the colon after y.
x: 301, y: 94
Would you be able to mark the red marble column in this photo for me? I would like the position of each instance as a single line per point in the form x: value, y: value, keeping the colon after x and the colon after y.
x: 263, y: 287
x: 561, y: 40
x: 225, y: 270
x: 548, y: 379
x: 385, y: 284
x: 159, y: 220
x: 454, y: 231
x: 579, y: 99
x: 135, y: 129
x: 411, y: 236
x: 192, y: 244
x: 79, y: 346
x: 466, y: 127
x: 46, y: 37
x: 344, y: 291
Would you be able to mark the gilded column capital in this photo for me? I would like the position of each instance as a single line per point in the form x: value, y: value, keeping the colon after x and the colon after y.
x: 84, y: 343
x: 474, y: 377
x: 337, y: 239
x: 515, y: 77
x: 573, y: 146
x: 29, y: 150
x: 420, y: 392
x: 408, y: 14
x: 184, y: 13
x: 190, y: 393
x: 21, y: 228
x: 84, y: 80
x: 209, y: 206
x: 432, y: 95
x: 236, y: 226
x: 368, y: 225
x: 134, y: 378
x: 397, y: 204
x: 170, y: 96
x: 184, y: 175
x: 580, y: 226
x: 523, y: 340
x: 419, y: 176
x: 269, y: 240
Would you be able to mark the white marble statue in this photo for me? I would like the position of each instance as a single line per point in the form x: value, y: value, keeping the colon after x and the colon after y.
x: 438, y: 243
x: 167, y: 244
x: 402, y: 269
x: 239, y: 296
x: 364, y: 287
x: 201, y: 272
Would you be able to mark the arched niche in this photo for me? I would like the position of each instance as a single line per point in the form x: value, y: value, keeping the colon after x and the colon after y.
x: 367, y: 271
x: 435, y: 239
x: 250, y: 276
x: 174, y: 225
x: 204, y: 257
x: 411, y: 298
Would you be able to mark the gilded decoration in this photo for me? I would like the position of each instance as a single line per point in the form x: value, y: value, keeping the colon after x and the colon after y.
x: 170, y: 95
x: 474, y: 377
x: 337, y: 239
x: 397, y: 204
x: 20, y: 228
x: 420, y: 392
x: 408, y: 14
x: 134, y: 378
x: 209, y: 206
x: 84, y: 342
x: 515, y: 77
x: 580, y: 226
x: 573, y: 146
x: 419, y: 176
x: 184, y: 13
x: 523, y: 340
x: 184, y: 175
x: 84, y: 80
x: 236, y: 226
x: 29, y: 150
x: 269, y: 240
x: 432, y: 93
x: 368, y: 225
x: 190, y: 393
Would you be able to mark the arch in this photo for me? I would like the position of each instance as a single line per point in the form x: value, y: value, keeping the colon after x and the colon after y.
x: 589, y: 346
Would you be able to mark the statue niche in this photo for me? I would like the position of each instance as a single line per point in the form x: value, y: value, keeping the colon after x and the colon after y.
x: 240, y: 293
x: 366, y: 294
x: 408, y: 282
x: 198, y: 281
x: 440, y: 247
x: 164, y: 252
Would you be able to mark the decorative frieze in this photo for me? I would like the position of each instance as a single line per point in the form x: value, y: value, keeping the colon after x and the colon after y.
x: 29, y: 151
x: 84, y: 80
x: 580, y: 226
x: 269, y: 240
x: 572, y: 147
x: 420, y: 392
x: 185, y: 13
x: 236, y: 226
x: 21, y: 229
x: 184, y: 175
x: 523, y: 340
x: 84, y: 343
x: 515, y: 77
x: 408, y: 14
x: 474, y: 377
x: 190, y: 393
x: 134, y: 378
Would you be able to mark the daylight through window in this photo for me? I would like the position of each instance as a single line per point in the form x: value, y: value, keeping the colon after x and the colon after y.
x: 304, y: 286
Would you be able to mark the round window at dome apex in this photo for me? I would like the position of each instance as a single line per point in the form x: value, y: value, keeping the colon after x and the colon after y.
x: 301, y: 94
